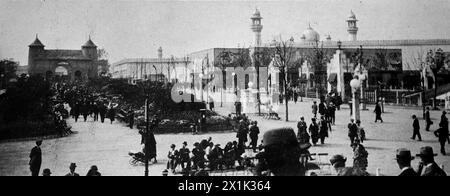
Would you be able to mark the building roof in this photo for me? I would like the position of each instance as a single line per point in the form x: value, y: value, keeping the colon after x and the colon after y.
x: 256, y: 15
x: 36, y: 43
x: 89, y: 44
x: 352, y: 16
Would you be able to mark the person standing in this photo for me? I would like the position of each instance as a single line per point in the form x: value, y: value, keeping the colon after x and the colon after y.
x: 322, y: 108
x: 427, y: 165
x: 378, y: 112
x: 428, y: 119
x: 72, y: 168
x: 314, y: 109
x: 361, y: 132
x: 352, y: 131
x: 443, y: 135
x: 242, y: 136
x: 95, y: 110
x: 254, y: 132
x: 301, y: 127
x: 444, y: 121
x: 332, y: 112
x: 173, y: 157
x: 76, y: 111
x: 112, y: 113
x: 314, y: 131
x: 36, y: 159
x: 416, y: 128
x: 404, y: 159
x: 360, y: 155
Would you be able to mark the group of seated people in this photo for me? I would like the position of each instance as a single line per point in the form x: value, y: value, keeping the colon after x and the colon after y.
x: 206, y: 154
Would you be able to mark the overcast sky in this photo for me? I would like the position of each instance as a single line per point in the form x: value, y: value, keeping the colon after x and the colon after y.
x: 136, y: 28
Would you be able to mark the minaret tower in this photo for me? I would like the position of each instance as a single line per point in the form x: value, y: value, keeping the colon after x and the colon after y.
x: 160, y: 53
x: 257, y: 27
x: 352, y: 28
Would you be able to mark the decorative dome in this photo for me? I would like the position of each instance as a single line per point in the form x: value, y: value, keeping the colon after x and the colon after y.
x: 256, y: 15
x: 89, y: 44
x: 310, y: 35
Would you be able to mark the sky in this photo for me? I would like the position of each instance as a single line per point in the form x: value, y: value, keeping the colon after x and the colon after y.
x: 136, y: 28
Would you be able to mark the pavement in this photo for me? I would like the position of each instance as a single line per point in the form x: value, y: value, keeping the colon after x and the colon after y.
x: 107, y: 145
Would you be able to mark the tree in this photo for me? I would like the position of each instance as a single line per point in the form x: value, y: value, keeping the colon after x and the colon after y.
x: 102, y: 54
x: 318, y: 59
x: 284, y: 53
x: 7, y: 72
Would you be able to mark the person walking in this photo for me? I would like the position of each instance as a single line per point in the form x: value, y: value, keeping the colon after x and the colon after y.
x: 443, y: 135
x: 360, y: 155
x: 428, y: 119
x: 301, y: 127
x: 427, y: 165
x: 112, y: 113
x: 323, y: 127
x: 254, y: 132
x: 242, y: 136
x: 36, y: 159
x: 352, y: 131
x: 416, y: 128
x: 131, y: 117
x: 332, y: 113
x: 76, y: 111
x: 361, y: 132
x: 72, y: 168
x: 95, y: 110
x: 102, y: 111
x: 314, y: 131
x: 404, y: 159
x: 314, y: 109
x: 378, y: 112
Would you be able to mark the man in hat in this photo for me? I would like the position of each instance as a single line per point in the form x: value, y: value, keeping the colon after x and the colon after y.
x: 338, y: 163
x: 404, y: 159
x: 72, y: 168
x: 46, y: 172
x: 443, y: 135
x: 416, y: 128
x: 314, y: 131
x: 281, y: 153
x: 352, y: 131
x: 254, y: 132
x: 242, y: 135
x: 36, y: 159
x: 378, y: 112
x: 427, y: 165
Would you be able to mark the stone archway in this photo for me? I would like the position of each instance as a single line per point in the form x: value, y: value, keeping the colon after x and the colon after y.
x: 62, y: 71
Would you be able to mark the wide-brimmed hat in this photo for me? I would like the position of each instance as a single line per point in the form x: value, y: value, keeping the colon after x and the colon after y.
x: 73, y: 165
x: 426, y: 151
x: 337, y: 158
x: 280, y: 136
x: 403, y: 154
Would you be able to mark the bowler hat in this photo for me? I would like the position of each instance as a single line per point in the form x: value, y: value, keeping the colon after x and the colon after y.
x: 337, y: 158
x: 184, y: 143
x: 403, y: 154
x: 73, y: 165
x: 172, y: 146
x: 47, y: 171
x: 280, y: 136
x: 426, y: 151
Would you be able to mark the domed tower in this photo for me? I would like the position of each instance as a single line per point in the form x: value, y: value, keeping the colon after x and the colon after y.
x: 160, y: 52
x: 310, y: 35
x: 89, y: 49
x: 352, y: 28
x: 35, y: 50
x: 256, y: 27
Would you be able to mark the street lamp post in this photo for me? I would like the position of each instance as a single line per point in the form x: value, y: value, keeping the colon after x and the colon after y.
x: 355, y: 84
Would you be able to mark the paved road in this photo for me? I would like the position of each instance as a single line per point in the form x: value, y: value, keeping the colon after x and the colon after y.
x: 107, y: 145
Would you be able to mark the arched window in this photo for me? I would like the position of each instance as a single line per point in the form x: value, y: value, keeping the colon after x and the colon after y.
x: 61, y: 71
x: 78, y: 75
